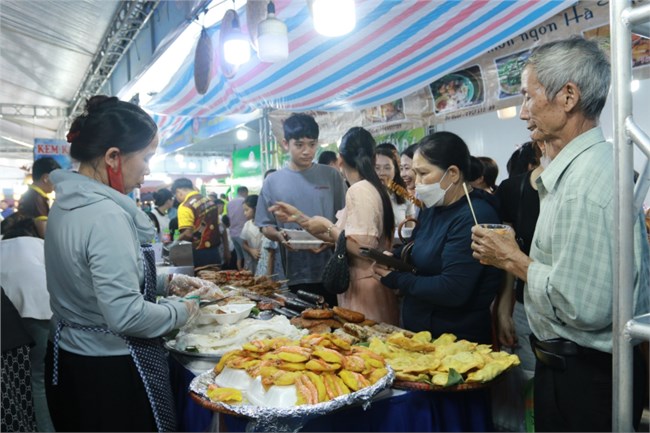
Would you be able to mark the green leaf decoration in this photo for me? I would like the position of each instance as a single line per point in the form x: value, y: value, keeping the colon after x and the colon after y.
x: 454, y: 378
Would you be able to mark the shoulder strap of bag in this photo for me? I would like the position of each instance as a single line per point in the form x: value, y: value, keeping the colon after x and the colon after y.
x: 341, y: 244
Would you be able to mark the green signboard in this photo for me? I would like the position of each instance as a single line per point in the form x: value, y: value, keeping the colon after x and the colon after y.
x: 402, y: 139
x: 246, y: 162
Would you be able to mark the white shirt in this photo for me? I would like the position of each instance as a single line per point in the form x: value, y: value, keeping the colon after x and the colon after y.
x: 401, y: 211
x: 252, y: 234
x: 22, y: 273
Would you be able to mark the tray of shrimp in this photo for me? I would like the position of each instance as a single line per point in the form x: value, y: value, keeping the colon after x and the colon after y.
x: 279, y: 378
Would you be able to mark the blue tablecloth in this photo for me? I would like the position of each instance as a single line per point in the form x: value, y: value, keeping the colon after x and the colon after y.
x: 413, y: 411
x: 468, y: 411
x: 191, y: 417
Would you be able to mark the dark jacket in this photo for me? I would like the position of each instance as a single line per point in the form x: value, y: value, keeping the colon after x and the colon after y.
x: 13, y: 331
x: 452, y: 291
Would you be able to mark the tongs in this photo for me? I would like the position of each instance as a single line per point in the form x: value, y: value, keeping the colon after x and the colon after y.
x: 205, y: 303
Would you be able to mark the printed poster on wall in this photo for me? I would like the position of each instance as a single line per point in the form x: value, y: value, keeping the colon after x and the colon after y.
x: 462, y: 89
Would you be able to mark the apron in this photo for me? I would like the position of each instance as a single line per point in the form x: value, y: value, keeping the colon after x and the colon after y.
x: 149, y: 355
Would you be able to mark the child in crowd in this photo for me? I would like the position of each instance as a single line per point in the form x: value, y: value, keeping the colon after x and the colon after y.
x: 234, y: 260
x: 270, y: 262
x: 251, y: 235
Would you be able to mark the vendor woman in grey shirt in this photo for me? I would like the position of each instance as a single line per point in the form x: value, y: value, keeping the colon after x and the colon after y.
x: 105, y: 365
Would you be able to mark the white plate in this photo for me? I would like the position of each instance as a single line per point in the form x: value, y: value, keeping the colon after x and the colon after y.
x: 299, y: 235
x: 230, y: 313
x: 305, y: 245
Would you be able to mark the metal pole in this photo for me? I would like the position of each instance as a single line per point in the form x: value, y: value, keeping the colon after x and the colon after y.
x: 621, y: 49
x: 264, y: 142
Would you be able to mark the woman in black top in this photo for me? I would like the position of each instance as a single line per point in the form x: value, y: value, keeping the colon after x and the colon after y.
x: 519, y: 207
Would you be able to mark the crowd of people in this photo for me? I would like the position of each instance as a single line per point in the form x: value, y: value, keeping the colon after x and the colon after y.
x: 542, y: 289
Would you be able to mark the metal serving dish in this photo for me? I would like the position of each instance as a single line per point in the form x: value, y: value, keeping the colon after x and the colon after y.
x: 195, y: 362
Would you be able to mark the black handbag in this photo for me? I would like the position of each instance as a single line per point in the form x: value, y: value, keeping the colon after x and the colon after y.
x: 336, y: 275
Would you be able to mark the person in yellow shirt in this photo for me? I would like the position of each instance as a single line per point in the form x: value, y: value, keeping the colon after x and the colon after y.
x: 198, y: 222
x: 34, y: 203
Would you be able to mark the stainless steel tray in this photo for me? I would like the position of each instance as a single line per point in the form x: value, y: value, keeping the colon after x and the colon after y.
x: 193, y: 361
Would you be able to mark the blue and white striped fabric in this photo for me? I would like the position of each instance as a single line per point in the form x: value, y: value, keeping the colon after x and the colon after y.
x: 397, y: 48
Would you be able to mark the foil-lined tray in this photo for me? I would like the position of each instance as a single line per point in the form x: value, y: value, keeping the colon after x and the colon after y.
x: 284, y: 418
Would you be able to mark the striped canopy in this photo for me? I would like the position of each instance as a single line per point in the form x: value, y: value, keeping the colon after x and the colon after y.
x: 396, y: 48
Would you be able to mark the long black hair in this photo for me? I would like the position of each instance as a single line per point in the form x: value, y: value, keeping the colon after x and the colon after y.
x: 358, y: 151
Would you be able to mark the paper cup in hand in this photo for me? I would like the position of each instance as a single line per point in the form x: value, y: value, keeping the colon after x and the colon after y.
x: 501, y: 229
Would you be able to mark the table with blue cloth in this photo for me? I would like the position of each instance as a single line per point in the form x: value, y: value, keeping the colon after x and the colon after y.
x: 392, y: 411
x: 190, y: 415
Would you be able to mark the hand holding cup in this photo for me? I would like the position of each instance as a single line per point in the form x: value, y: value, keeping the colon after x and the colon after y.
x: 493, y: 244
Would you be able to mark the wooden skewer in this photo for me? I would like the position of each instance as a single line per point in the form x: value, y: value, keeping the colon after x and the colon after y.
x: 470, y: 203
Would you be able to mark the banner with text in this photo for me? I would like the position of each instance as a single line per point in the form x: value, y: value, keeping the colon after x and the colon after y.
x: 56, y: 149
x: 487, y: 83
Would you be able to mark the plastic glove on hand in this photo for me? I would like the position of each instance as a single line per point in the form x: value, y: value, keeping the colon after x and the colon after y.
x: 181, y: 284
x: 193, y: 309
x: 207, y: 291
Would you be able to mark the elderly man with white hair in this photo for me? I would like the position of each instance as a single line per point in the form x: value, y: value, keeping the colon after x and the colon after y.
x: 569, y: 275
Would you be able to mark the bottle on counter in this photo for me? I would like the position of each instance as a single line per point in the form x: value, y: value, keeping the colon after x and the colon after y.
x: 166, y: 236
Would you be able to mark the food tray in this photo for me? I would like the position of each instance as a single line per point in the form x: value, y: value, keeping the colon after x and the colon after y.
x: 305, y: 245
x: 286, y: 418
x: 469, y: 386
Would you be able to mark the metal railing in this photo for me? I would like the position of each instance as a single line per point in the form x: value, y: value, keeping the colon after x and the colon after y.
x: 129, y: 19
x: 31, y: 111
x: 627, y: 203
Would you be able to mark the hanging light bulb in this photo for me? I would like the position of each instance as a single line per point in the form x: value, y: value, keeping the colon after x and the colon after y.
x: 507, y: 113
x: 334, y: 17
x: 272, y: 38
x: 236, y: 48
x: 241, y: 134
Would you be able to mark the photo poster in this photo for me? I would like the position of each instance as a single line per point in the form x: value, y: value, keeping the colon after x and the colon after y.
x: 492, y: 81
x: 501, y: 67
x: 59, y: 150
x: 403, y: 114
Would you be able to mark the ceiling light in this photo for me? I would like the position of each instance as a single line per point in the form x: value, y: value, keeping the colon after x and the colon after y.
x: 507, y: 113
x: 179, y: 158
x: 272, y: 38
x: 242, y: 134
x: 634, y: 85
x: 334, y: 17
x: 236, y: 48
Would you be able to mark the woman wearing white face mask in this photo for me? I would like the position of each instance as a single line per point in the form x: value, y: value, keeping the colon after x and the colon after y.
x: 451, y: 291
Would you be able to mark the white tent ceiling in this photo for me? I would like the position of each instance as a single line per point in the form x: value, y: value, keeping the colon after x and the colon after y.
x: 46, y: 48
